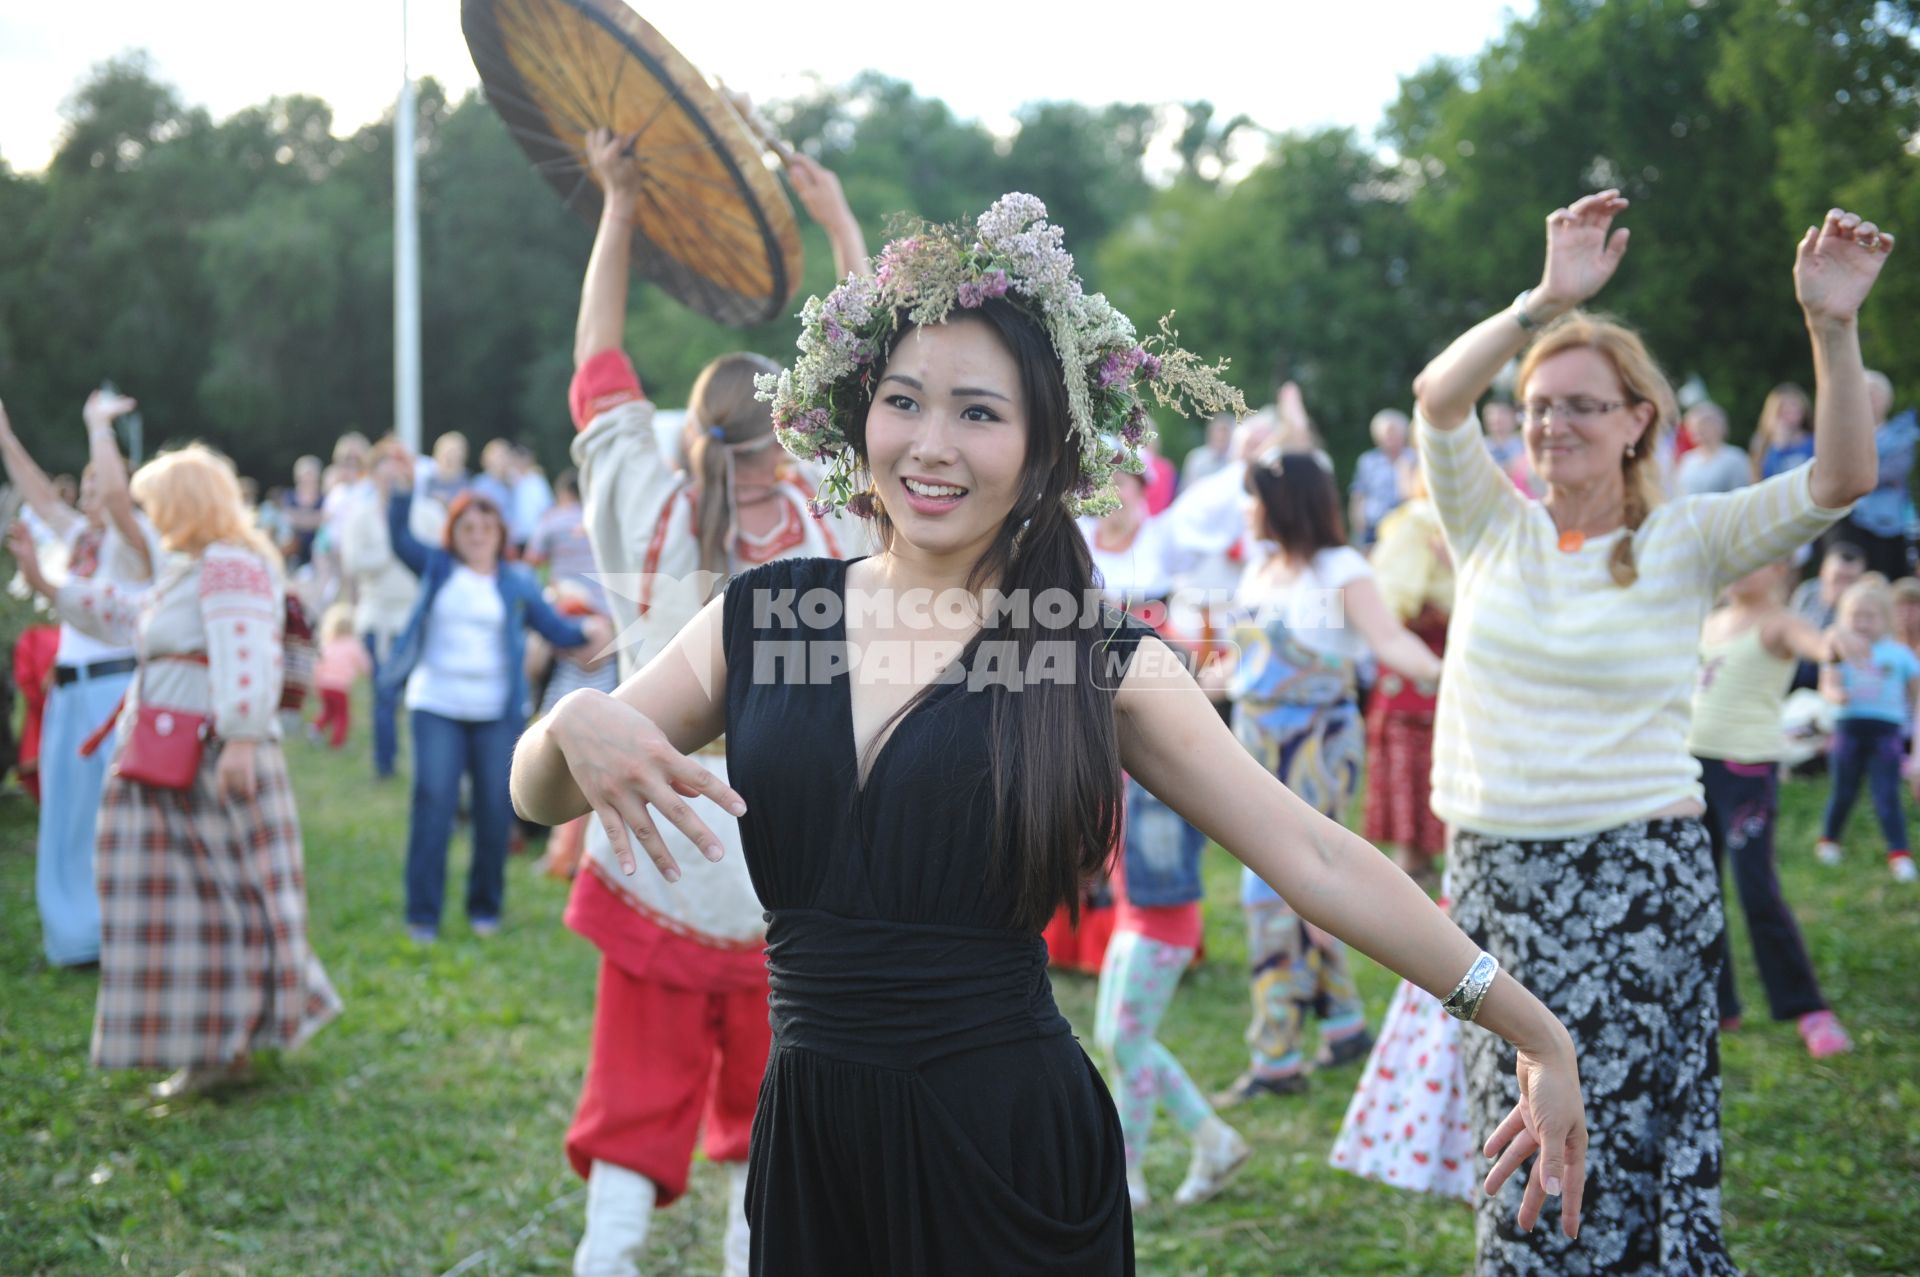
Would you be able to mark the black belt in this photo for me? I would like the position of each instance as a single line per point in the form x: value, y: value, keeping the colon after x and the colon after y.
x: 64, y: 674
x: 899, y: 995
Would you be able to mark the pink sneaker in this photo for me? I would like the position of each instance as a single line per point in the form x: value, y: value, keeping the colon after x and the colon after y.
x: 1823, y: 1035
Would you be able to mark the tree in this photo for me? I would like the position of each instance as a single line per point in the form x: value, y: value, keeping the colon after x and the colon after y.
x: 1300, y: 272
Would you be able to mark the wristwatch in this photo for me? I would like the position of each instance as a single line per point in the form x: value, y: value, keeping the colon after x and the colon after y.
x: 1519, y: 311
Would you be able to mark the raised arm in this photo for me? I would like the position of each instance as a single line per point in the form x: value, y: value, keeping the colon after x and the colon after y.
x: 407, y: 547
x: 102, y: 409
x: 603, y: 295
x: 35, y: 488
x: 1833, y: 272
x: 820, y: 193
x: 1174, y: 743
x: 1581, y: 258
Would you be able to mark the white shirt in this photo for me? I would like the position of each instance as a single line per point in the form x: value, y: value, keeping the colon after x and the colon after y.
x: 1137, y: 573
x: 462, y: 672
x: 1565, y: 700
x: 1311, y: 605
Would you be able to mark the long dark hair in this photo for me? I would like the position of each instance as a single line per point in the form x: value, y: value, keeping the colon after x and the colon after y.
x: 1055, y: 754
x: 1299, y: 502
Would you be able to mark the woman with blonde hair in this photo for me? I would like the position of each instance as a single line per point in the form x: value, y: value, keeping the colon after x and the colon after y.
x: 1784, y: 437
x: 1578, y: 854
x: 203, y: 955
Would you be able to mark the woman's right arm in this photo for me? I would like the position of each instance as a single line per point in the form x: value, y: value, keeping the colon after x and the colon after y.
x: 619, y: 755
x: 1581, y: 258
x: 408, y: 548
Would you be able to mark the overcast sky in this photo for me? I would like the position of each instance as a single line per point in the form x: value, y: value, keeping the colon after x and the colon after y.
x: 1288, y: 64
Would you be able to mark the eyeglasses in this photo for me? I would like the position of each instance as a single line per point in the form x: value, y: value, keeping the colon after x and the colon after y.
x: 1579, y: 408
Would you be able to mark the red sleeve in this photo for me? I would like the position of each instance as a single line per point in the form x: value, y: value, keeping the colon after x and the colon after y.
x: 604, y: 382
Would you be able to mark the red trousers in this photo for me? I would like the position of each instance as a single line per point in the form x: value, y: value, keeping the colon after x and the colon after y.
x: 667, y: 1062
x: 333, y: 714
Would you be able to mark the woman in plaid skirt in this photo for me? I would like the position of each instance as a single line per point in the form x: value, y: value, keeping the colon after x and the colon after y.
x: 203, y: 956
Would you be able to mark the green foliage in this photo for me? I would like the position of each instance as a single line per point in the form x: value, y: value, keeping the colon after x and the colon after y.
x: 237, y: 275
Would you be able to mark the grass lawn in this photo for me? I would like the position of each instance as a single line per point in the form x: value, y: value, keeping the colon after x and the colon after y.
x: 421, y: 1133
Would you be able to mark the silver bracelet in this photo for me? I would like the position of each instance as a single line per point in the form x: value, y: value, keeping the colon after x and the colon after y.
x: 1464, y: 1002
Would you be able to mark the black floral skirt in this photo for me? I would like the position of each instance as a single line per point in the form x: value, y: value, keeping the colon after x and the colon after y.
x: 1619, y: 934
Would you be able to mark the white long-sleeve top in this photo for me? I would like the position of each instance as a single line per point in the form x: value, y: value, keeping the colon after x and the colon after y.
x: 226, y: 604
x: 1564, y: 703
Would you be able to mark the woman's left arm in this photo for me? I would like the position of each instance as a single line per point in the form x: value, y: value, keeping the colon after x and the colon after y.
x: 1834, y: 270
x: 238, y: 608
x: 1173, y: 742
x: 562, y: 632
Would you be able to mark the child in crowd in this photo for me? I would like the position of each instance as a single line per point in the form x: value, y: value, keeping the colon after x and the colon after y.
x: 1906, y: 615
x: 343, y: 660
x: 1156, y: 932
x: 1747, y: 652
x: 1875, y: 697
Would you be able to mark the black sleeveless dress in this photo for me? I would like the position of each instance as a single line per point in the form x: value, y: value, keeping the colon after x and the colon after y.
x: 926, y: 1108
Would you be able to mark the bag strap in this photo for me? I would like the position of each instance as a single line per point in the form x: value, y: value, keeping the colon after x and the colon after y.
x: 91, y: 746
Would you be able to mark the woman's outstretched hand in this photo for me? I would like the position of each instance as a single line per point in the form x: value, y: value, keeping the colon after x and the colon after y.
x: 1837, y: 263
x: 610, y: 155
x: 1549, y: 1121
x: 1581, y: 255
x: 628, y: 771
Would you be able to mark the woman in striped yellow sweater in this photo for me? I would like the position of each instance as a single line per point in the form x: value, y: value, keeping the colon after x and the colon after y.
x: 1560, y: 753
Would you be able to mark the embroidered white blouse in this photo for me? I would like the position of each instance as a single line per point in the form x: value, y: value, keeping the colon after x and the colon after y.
x: 226, y: 604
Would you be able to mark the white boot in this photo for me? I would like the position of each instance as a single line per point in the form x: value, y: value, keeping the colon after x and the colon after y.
x: 1218, y: 1151
x: 739, y: 1241
x: 619, y: 1207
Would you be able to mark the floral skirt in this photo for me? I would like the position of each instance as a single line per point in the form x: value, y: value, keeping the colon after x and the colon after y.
x: 1407, y: 1123
x: 1619, y: 933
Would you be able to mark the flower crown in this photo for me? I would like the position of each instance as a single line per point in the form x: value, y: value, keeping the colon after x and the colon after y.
x: 1011, y: 252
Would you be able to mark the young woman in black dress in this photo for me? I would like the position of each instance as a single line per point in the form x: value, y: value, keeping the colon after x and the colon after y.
x: 926, y: 748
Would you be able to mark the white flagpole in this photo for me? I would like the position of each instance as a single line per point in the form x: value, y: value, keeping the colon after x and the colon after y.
x: 406, y: 259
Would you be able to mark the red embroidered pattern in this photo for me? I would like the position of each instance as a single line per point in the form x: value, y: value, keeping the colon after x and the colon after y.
x: 226, y: 575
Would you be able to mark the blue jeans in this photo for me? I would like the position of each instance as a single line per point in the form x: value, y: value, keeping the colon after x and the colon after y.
x: 69, y: 809
x: 443, y: 750
x: 1865, y: 748
x: 386, y: 711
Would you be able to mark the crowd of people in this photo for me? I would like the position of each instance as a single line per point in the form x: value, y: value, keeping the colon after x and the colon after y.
x: 831, y: 975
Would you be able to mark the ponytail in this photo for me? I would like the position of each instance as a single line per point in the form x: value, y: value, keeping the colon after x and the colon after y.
x: 728, y: 417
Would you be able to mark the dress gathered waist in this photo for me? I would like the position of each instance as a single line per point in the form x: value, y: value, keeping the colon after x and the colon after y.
x: 899, y: 995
